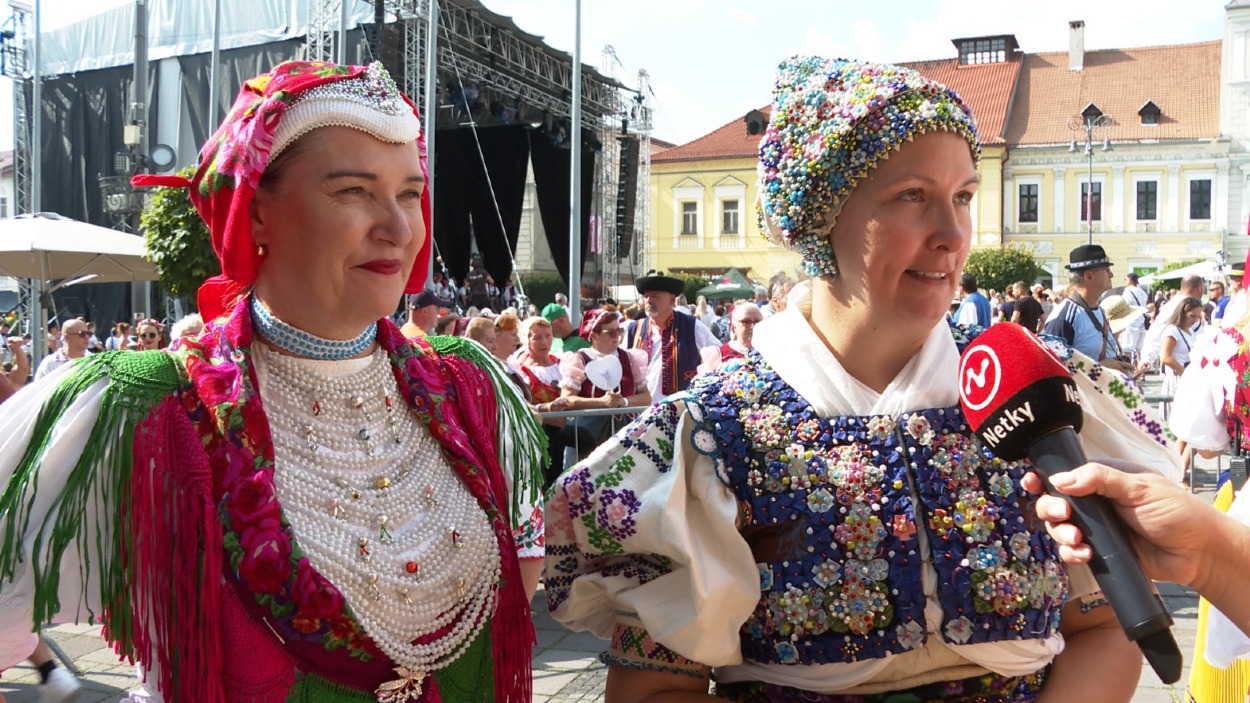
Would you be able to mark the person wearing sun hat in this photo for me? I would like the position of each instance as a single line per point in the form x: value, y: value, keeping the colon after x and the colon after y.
x: 1121, y: 316
x: 789, y: 523
x: 671, y: 339
x: 565, y: 334
x: 298, y: 503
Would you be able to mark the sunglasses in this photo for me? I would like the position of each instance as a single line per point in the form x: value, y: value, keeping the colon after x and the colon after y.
x: 150, y: 335
x: 614, y: 331
x: 83, y: 334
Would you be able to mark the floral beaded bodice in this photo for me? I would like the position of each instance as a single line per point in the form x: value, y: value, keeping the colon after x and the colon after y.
x: 837, y: 511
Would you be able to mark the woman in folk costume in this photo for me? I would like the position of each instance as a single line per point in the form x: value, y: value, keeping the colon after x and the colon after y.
x: 299, y: 503
x: 815, y: 521
x: 1211, y: 412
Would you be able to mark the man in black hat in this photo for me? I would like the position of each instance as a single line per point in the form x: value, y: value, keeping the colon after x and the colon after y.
x: 1078, y: 318
x: 423, y: 313
x: 671, y: 338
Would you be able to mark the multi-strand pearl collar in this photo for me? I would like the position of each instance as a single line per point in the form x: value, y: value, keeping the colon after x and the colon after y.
x: 376, y: 507
x: 306, y: 344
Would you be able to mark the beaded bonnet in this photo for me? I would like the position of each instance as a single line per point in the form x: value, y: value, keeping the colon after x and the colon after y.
x: 270, y: 112
x: 832, y: 123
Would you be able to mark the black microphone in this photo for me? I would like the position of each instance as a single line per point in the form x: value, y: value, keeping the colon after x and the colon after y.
x: 1022, y: 402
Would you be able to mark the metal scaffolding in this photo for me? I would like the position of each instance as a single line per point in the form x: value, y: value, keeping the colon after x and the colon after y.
x: 475, y: 48
x: 15, y: 41
x: 323, y: 27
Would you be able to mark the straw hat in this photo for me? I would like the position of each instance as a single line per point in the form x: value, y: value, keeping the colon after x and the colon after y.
x: 1119, y: 313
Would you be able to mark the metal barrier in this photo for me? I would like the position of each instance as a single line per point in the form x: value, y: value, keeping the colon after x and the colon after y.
x: 575, y: 447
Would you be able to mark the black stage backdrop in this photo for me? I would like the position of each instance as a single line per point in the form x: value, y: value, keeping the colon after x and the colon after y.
x: 551, y: 181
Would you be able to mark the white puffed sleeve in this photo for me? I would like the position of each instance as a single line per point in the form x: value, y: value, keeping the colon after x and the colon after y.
x: 78, y: 590
x: 642, y: 534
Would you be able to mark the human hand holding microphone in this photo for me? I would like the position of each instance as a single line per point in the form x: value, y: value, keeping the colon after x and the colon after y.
x: 1021, y: 402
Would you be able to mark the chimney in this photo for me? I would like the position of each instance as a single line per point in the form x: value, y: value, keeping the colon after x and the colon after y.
x: 1076, y: 45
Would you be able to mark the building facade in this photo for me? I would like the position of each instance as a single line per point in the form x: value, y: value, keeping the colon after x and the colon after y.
x: 1145, y: 151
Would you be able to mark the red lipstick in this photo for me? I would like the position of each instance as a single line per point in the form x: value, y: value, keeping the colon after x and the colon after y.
x: 385, y: 267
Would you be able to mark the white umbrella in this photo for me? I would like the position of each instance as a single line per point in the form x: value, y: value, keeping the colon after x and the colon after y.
x: 48, y: 247
x: 54, y: 251
x: 1206, y: 269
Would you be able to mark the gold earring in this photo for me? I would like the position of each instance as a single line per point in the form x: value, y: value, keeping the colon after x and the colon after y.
x: 261, y: 250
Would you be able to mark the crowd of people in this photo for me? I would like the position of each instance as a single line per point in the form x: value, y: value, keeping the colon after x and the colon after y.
x: 614, y: 356
x: 307, y: 500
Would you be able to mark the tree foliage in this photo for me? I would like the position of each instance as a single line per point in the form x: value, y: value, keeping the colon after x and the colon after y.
x: 178, y: 241
x: 998, y: 268
x: 541, y: 288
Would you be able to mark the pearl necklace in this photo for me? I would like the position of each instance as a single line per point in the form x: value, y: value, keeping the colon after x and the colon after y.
x: 304, y: 343
x: 387, y: 522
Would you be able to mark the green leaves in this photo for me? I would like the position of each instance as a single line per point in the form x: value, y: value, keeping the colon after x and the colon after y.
x: 178, y: 241
x: 998, y: 268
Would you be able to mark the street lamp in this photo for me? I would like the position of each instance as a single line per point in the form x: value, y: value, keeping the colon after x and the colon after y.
x: 1090, y: 120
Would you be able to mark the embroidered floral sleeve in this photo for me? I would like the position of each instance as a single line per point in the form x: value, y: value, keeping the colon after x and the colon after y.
x: 634, y: 648
x: 642, y: 534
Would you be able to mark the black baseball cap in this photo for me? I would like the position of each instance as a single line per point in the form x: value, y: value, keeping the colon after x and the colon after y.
x: 425, y: 298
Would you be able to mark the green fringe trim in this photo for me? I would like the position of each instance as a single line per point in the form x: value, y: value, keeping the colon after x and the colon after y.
x: 310, y: 688
x: 528, y: 453
x: 469, y: 678
x: 137, y: 382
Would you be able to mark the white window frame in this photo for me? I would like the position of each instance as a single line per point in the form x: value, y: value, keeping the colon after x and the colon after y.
x: 682, y: 195
x: 1101, y: 179
x: 1190, y: 177
x: 730, y: 191
x: 1157, y: 177
x: 1035, y: 180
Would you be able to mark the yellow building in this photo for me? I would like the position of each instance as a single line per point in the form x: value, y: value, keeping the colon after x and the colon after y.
x: 1141, y: 126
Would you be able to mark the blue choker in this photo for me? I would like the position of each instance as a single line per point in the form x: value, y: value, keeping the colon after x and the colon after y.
x: 299, y: 342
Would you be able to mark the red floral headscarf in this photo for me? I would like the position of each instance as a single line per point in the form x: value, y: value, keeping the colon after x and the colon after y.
x: 233, y: 159
x: 591, y: 319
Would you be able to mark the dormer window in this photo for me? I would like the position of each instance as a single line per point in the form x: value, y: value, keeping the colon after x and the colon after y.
x: 978, y: 50
x: 1091, y: 113
x: 1150, y: 113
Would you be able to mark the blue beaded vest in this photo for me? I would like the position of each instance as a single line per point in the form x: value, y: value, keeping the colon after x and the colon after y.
x: 842, y: 504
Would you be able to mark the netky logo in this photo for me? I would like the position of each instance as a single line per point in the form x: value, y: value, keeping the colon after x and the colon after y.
x: 979, y: 377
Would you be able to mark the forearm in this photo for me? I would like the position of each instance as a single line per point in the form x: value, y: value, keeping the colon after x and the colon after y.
x: 577, y: 402
x: 20, y: 371
x: 642, y: 397
x: 1098, y: 665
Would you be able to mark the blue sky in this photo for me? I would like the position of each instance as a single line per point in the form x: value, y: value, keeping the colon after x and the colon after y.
x: 711, y: 61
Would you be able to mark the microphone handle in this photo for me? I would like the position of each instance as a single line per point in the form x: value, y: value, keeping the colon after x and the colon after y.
x: 1114, y: 564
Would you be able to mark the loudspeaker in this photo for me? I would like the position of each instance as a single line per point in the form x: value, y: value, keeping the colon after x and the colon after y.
x: 626, y: 194
x: 756, y: 121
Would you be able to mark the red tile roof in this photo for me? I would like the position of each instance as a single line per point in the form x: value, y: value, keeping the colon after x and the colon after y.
x: 728, y: 142
x: 986, y: 88
x: 1183, y: 80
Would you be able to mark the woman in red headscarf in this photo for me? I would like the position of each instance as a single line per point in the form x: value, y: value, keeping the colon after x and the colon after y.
x: 601, y: 376
x: 298, y: 503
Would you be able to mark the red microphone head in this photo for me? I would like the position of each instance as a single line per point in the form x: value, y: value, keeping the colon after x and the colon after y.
x: 1014, y: 389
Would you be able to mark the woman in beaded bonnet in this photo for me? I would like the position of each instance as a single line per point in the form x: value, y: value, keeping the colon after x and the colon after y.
x: 297, y: 503
x: 815, y: 522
